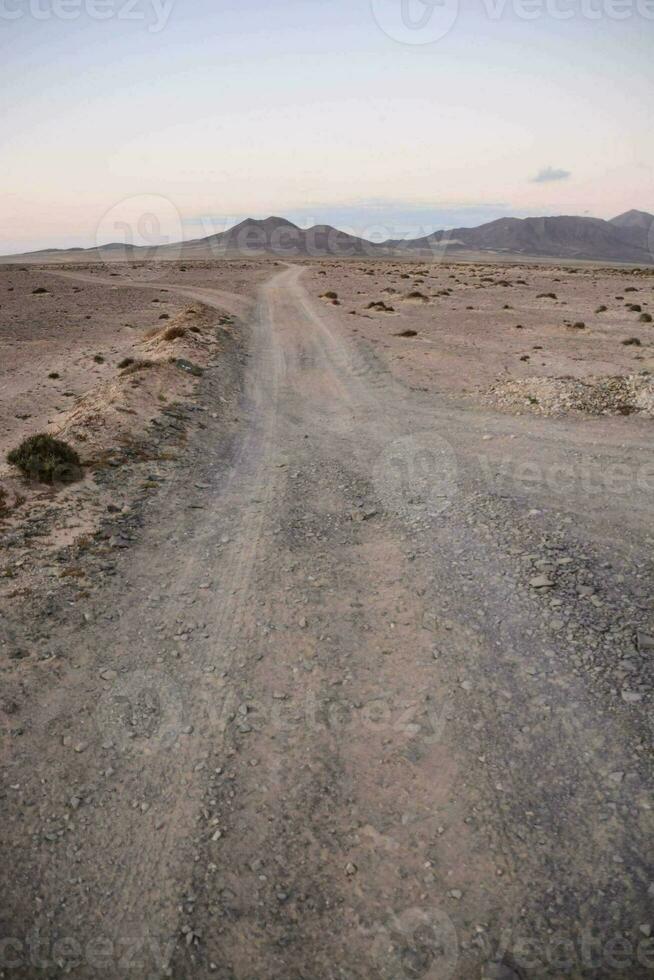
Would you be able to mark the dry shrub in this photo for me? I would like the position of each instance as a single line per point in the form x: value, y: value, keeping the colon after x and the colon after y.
x: 136, y: 367
x: 173, y: 333
x: 46, y: 459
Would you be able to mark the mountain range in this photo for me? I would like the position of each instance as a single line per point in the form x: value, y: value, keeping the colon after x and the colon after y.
x: 627, y: 238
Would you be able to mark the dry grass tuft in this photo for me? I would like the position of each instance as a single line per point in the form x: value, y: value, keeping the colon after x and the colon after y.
x: 46, y: 459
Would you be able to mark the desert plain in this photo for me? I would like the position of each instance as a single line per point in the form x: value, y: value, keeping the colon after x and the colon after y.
x: 337, y: 660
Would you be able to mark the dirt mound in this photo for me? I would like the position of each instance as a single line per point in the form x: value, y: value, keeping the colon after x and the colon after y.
x: 612, y: 395
x: 161, y: 371
x: 118, y: 411
x: 415, y: 297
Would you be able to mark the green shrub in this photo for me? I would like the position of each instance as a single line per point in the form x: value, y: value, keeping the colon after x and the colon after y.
x: 645, y: 318
x: 46, y: 459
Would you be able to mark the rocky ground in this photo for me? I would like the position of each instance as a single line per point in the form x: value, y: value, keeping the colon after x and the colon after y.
x: 348, y: 673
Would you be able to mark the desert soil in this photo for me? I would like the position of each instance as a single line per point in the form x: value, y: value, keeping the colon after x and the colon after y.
x: 337, y: 664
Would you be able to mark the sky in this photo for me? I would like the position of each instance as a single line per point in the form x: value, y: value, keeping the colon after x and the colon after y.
x: 157, y: 120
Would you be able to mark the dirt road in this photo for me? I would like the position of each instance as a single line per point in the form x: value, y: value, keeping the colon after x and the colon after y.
x: 367, y: 697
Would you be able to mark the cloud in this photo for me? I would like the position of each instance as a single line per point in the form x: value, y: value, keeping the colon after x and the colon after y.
x: 548, y: 174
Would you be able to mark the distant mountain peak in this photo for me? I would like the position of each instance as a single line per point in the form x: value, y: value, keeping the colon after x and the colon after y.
x: 629, y: 237
x: 633, y: 219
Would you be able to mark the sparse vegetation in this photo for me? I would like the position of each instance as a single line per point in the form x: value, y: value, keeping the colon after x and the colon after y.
x: 631, y: 342
x: 381, y: 306
x: 173, y: 333
x: 135, y: 366
x: 645, y: 318
x: 546, y: 296
x: 46, y: 459
x: 601, y: 309
x: 125, y: 363
x: 40, y: 291
x: 99, y: 359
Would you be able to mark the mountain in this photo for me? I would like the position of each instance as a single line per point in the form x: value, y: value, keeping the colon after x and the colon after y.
x: 636, y: 227
x: 629, y: 237
x: 283, y: 238
x: 633, y: 219
x: 563, y: 237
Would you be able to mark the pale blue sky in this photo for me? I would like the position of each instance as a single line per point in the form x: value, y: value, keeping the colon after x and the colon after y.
x: 312, y: 111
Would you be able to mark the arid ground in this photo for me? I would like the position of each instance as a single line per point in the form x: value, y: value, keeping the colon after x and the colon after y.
x: 338, y: 661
